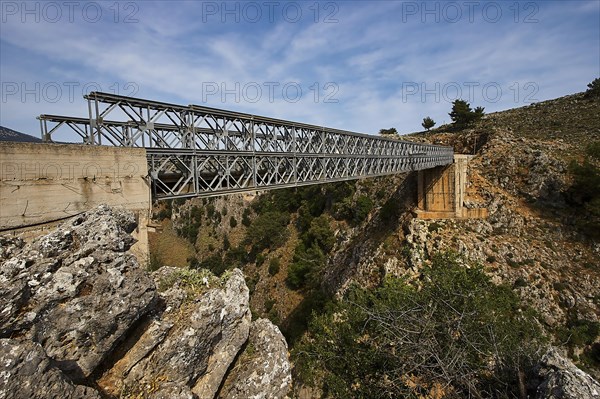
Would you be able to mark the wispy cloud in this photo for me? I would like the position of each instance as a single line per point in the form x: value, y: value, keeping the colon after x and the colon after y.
x: 359, y: 73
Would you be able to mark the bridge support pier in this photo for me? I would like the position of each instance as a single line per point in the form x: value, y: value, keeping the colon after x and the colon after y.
x: 441, y: 192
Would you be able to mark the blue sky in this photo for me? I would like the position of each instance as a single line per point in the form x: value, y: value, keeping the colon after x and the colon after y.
x: 354, y: 65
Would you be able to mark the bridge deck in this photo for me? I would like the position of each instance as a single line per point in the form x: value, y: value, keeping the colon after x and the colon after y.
x: 200, y: 151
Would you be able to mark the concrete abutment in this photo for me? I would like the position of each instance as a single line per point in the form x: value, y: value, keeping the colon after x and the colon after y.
x: 442, y: 191
x: 44, y: 183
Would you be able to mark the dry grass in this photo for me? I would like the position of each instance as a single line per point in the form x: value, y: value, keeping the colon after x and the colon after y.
x: 168, y: 248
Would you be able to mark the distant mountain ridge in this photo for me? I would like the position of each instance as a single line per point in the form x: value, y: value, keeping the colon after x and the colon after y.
x: 7, y: 134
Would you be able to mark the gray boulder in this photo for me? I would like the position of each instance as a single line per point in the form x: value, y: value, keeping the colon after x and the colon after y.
x: 561, y: 379
x: 76, y: 291
x: 78, y: 311
x: 263, y: 370
x: 190, y: 347
x: 27, y: 373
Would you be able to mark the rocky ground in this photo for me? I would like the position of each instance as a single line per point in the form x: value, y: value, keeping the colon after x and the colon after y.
x: 80, y: 318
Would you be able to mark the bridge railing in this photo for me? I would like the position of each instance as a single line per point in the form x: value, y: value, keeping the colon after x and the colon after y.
x: 201, y: 151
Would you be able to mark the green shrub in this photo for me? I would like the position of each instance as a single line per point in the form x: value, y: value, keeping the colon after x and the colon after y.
x: 388, y: 132
x: 190, y: 231
x: 154, y: 262
x: 520, y: 282
x: 304, y: 218
x: 196, y: 213
x: 273, y: 316
x: 584, y: 193
x: 591, y: 356
x: 458, y: 330
x: 320, y: 234
x: 593, y: 150
x: 210, y: 210
x: 434, y: 227
x: 236, y: 257
x: 578, y: 332
x: 226, y: 243
x: 269, y: 303
x: 164, y: 213
x: 251, y: 283
x: 274, y: 266
x: 284, y: 200
x: 307, y: 267
x: 315, y: 199
x: 390, y: 211
x: 213, y: 263
x: 246, y: 218
x: 593, y: 89
x: 361, y: 209
x: 232, y: 222
x: 559, y: 286
x: 268, y: 231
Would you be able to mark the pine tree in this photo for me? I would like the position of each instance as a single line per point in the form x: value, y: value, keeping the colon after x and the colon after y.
x: 462, y: 114
x: 593, y: 89
x: 428, y: 123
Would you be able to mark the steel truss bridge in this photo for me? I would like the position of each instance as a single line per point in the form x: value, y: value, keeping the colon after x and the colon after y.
x: 199, y: 151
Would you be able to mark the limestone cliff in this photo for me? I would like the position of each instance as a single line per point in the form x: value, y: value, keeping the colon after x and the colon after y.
x: 80, y: 318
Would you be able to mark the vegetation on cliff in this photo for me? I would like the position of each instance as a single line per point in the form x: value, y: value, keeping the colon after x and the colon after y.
x: 453, y: 331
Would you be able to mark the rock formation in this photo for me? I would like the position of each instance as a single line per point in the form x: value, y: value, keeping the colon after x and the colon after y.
x: 561, y: 379
x: 262, y: 359
x: 78, y: 314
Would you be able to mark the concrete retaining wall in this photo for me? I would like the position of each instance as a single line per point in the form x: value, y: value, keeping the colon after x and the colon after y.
x: 40, y: 183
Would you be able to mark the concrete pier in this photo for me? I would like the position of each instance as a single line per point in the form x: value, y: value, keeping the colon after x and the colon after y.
x: 441, y: 192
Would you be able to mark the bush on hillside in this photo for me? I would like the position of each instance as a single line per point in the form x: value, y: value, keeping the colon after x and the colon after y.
x: 458, y: 331
x: 268, y: 230
x: 320, y: 234
x: 306, y: 267
x: 353, y: 211
x: 388, y: 132
x: 585, y: 190
x: 593, y: 89
x: 213, y: 263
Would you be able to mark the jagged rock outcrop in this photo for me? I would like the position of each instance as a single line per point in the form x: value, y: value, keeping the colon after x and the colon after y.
x: 561, y: 379
x: 188, y: 348
x: 76, y: 291
x: 263, y: 359
x: 77, y: 311
x: 26, y: 372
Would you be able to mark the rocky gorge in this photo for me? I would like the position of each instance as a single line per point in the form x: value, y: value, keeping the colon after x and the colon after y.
x: 234, y: 280
x: 81, y: 319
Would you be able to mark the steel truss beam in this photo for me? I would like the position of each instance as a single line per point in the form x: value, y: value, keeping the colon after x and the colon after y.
x: 200, y: 151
